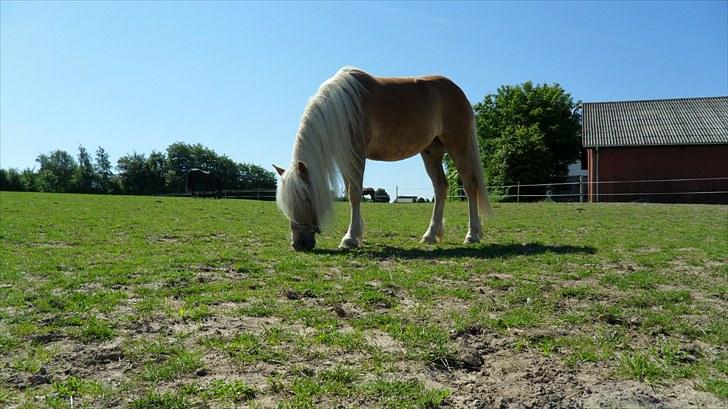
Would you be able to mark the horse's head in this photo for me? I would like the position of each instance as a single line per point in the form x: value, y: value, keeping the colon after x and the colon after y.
x: 294, y: 198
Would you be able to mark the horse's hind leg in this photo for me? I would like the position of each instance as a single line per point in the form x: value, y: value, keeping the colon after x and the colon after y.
x: 432, y: 156
x: 468, y: 165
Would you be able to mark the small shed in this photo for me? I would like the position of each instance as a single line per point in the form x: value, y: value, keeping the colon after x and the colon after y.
x: 667, y: 150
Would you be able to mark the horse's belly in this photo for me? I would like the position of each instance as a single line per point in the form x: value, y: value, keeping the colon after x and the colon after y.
x: 388, y: 147
x: 390, y: 155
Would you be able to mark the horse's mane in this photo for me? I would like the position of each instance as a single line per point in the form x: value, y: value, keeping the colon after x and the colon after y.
x: 329, y: 142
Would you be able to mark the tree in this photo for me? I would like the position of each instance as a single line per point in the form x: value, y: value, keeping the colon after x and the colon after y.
x: 84, y: 175
x: 56, y: 171
x: 181, y: 160
x: 160, y: 172
x: 524, y: 157
x: 183, y: 157
x: 4, y: 184
x: 254, y: 177
x: 155, y: 172
x: 102, y: 170
x: 30, y: 180
x: 142, y: 175
x: 132, y: 175
x: 527, y: 133
x: 227, y: 171
x: 11, y: 180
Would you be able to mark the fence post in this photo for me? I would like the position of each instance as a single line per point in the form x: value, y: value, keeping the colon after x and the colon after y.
x: 581, y: 189
x: 518, y: 192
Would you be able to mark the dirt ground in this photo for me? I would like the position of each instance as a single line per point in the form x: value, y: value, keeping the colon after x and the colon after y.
x: 489, y: 372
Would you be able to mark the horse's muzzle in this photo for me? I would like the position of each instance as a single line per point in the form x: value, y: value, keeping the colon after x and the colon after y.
x: 304, y: 243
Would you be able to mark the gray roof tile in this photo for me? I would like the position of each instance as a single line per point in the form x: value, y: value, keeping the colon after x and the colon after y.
x: 687, y: 121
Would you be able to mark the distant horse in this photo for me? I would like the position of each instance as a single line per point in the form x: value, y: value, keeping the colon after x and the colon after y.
x: 355, y: 116
x: 368, y: 191
x: 198, y: 180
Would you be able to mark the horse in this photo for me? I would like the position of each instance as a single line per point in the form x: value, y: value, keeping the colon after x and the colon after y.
x: 375, y: 196
x: 203, y: 181
x: 355, y: 116
x: 368, y: 191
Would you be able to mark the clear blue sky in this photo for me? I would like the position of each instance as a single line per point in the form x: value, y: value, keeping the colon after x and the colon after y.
x: 235, y: 76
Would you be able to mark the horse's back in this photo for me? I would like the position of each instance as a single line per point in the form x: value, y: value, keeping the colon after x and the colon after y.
x: 405, y: 114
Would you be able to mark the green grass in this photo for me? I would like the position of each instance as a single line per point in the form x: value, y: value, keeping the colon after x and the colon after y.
x: 203, y: 302
x: 163, y: 400
x: 232, y: 391
x: 172, y: 367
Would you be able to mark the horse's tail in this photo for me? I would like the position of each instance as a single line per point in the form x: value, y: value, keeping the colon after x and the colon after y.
x: 484, y: 208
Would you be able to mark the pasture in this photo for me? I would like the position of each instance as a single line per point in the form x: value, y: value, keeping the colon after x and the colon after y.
x: 150, y: 302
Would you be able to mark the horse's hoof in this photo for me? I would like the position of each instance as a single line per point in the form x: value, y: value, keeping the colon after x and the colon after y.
x: 429, y: 239
x: 471, y: 239
x: 348, y: 243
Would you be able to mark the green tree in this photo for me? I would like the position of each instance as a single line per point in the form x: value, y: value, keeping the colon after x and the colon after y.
x: 227, y: 170
x: 4, y: 185
x: 182, y: 157
x: 11, y: 180
x: 132, y: 174
x: 524, y: 157
x: 254, y: 177
x: 56, y: 171
x: 160, y: 172
x: 155, y: 172
x: 142, y: 175
x: 30, y: 180
x: 84, y: 178
x: 528, y: 133
x: 102, y: 170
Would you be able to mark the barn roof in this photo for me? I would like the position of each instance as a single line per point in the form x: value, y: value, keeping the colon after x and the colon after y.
x: 686, y: 121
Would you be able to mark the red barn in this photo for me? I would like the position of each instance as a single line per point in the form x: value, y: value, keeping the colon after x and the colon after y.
x: 668, y: 150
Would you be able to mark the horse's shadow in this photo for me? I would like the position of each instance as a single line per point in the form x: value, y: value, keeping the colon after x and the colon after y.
x: 486, y: 251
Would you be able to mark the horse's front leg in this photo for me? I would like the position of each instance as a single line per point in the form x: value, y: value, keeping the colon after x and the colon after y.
x: 355, y: 235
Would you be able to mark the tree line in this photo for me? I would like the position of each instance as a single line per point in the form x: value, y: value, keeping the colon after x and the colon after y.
x: 136, y: 173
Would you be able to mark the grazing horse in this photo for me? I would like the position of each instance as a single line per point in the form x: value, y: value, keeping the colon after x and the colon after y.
x: 355, y: 116
x: 369, y: 191
x: 199, y: 180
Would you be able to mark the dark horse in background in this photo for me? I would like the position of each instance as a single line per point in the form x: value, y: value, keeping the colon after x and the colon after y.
x: 203, y: 183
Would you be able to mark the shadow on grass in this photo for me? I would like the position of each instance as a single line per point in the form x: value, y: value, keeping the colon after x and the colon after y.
x: 486, y: 251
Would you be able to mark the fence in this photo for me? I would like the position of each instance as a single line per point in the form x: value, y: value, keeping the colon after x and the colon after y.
x: 252, y: 194
x: 575, y: 189
x: 257, y: 194
x: 696, y: 190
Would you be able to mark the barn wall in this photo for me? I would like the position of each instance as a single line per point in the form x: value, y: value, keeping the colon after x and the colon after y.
x: 656, y: 163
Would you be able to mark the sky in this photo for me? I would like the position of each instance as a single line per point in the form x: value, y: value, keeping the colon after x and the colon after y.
x: 236, y: 76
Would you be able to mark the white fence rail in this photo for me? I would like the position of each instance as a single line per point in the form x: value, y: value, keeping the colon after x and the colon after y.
x: 584, y: 190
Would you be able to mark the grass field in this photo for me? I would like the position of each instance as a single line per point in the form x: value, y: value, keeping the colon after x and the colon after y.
x: 147, y: 302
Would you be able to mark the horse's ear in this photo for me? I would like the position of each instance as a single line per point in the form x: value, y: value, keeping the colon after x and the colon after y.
x: 301, y: 167
x: 303, y: 170
x: 279, y: 170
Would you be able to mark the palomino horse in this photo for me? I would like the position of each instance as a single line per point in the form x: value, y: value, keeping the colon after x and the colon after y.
x: 355, y: 116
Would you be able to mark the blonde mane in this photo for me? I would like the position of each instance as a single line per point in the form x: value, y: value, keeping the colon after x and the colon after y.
x: 330, y: 143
